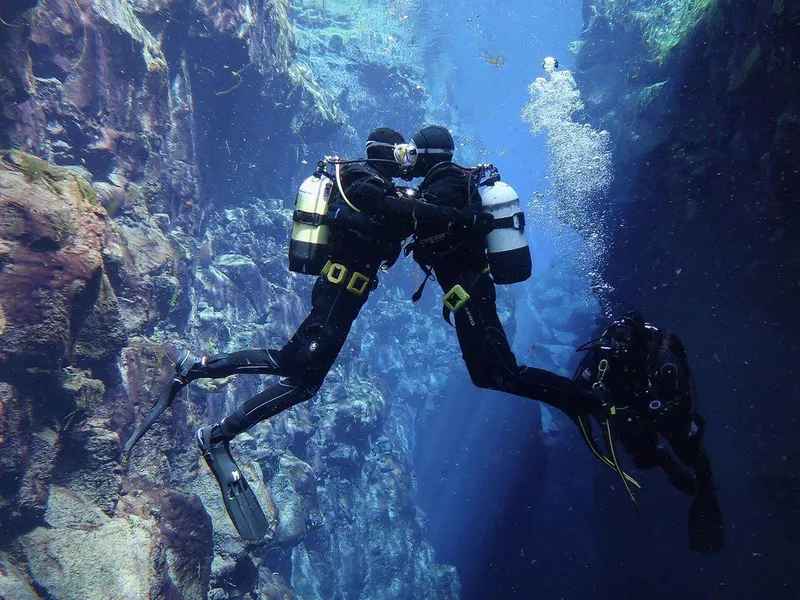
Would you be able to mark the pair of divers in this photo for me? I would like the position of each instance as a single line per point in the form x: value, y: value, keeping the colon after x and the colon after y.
x: 468, y: 234
x: 635, y: 380
x: 347, y: 225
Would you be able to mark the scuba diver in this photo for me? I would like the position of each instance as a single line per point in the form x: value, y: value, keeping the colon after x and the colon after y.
x: 468, y: 263
x: 346, y: 226
x: 550, y: 64
x: 644, y: 378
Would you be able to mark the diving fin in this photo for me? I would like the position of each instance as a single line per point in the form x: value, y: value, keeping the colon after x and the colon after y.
x: 241, y: 503
x: 706, y: 528
x: 165, y: 399
x: 184, y: 363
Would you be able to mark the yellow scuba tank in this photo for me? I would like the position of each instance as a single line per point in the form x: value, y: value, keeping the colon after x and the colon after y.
x: 308, y: 245
x: 509, y: 255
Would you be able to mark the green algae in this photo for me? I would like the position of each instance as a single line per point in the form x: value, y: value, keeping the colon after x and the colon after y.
x: 744, y: 72
x: 37, y: 170
x: 664, y: 24
x: 87, y: 192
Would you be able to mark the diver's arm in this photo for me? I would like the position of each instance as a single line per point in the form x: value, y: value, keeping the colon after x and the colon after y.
x: 339, y: 220
x: 416, y: 211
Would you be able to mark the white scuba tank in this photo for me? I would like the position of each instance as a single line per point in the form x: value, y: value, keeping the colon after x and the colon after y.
x: 308, y: 245
x: 509, y: 255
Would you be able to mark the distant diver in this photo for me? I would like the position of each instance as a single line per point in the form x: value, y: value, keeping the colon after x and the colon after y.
x: 550, y: 64
x: 643, y: 375
x: 346, y: 226
x: 467, y: 263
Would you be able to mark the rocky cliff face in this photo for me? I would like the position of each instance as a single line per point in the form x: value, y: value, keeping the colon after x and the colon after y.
x: 136, y: 209
x: 702, y: 101
x: 703, y: 105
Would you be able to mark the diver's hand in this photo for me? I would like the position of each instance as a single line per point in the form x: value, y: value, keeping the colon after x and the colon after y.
x: 595, y: 401
x: 602, y: 393
x: 475, y: 220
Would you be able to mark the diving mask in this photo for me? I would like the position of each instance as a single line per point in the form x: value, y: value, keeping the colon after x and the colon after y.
x: 624, y: 335
x: 406, y: 154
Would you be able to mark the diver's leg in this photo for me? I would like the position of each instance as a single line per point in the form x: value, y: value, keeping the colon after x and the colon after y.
x: 271, y: 361
x: 686, y: 440
x: 315, y: 347
x: 491, y: 362
x: 189, y: 367
x: 679, y: 476
x: 640, y: 441
x: 311, y: 352
x: 706, y: 525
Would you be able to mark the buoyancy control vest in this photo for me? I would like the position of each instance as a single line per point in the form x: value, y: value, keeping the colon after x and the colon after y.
x: 505, y: 248
x: 332, y: 217
x: 655, y: 385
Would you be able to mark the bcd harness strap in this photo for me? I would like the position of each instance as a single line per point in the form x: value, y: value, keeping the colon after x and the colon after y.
x: 455, y: 299
x: 515, y: 221
x: 337, y: 274
x: 609, y: 437
x: 307, y: 218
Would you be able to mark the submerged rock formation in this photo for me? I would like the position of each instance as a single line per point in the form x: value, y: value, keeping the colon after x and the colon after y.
x: 703, y: 105
x: 144, y: 203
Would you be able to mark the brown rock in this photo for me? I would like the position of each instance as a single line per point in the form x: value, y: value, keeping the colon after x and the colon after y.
x: 52, y: 232
x: 84, y: 555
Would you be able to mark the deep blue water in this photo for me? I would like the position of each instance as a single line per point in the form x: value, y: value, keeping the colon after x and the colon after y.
x: 523, y: 520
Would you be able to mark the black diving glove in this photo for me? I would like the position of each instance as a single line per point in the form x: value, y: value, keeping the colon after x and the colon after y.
x: 475, y: 220
x: 595, y: 401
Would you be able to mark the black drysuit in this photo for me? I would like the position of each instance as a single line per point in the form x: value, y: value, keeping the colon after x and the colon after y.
x: 361, y: 242
x: 653, y: 395
x: 458, y: 257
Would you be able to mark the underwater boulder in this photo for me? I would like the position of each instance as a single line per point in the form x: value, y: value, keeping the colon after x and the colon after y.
x: 52, y: 231
x: 82, y: 554
x: 294, y: 489
x: 14, y: 582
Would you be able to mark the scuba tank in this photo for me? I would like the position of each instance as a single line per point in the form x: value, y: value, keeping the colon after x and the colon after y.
x: 508, y: 252
x: 308, y: 245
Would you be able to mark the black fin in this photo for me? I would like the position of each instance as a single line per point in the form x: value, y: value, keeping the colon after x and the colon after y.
x: 240, y: 501
x: 164, y: 401
x: 706, y: 528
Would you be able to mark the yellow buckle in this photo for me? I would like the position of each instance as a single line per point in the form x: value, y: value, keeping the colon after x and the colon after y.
x: 461, y: 296
x: 335, y: 272
x: 326, y: 268
x: 358, y: 284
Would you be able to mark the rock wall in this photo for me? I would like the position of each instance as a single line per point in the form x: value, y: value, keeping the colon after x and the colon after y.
x: 154, y: 144
x: 703, y: 105
x: 702, y: 102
